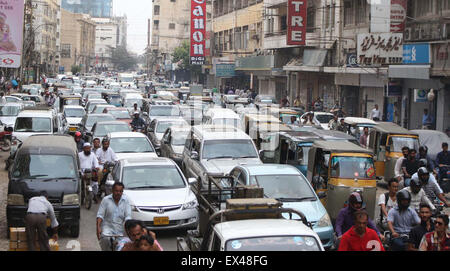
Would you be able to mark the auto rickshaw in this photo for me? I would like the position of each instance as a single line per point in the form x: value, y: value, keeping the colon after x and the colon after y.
x: 252, y: 121
x: 338, y: 168
x: 284, y: 114
x: 386, y: 140
x: 357, y: 125
x: 293, y: 149
x: 69, y: 100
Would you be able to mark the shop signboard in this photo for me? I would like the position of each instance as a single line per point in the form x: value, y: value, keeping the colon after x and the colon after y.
x: 416, y: 53
x: 225, y: 70
x: 198, y: 32
x: 296, y: 22
x: 11, y: 22
x: 420, y: 95
x: 376, y: 49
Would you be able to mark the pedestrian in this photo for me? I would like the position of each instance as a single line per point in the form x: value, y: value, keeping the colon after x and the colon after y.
x: 285, y: 102
x: 375, y: 114
x: 364, y: 136
x: 426, y: 225
x: 297, y: 102
x: 2, y: 98
x: 359, y: 237
x: 36, y: 222
x: 427, y: 120
x: 439, y: 239
x: 410, y: 166
x: 387, y: 201
x: 401, y: 220
x: 334, y: 123
x: 318, y: 105
x: 398, y: 172
x: 114, y: 210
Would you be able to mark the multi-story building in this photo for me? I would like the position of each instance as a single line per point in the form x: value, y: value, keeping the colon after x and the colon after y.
x: 95, y: 8
x: 170, y: 28
x: 77, y: 41
x: 46, y: 32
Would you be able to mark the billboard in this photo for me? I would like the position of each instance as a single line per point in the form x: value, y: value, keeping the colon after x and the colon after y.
x: 398, y: 15
x: 198, y: 32
x: 296, y: 22
x: 11, y: 33
x: 418, y: 53
x: 380, y: 48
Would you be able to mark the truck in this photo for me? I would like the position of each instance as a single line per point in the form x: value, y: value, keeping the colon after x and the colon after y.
x: 234, y: 217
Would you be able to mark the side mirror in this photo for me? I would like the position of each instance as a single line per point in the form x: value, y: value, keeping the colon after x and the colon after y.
x: 322, y: 194
x: 194, y: 155
x: 192, y: 180
x: 9, y: 129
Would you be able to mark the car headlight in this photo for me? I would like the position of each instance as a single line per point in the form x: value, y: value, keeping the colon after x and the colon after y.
x: 16, y: 199
x: 325, y: 221
x: 190, y: 205
x: 71, y: 199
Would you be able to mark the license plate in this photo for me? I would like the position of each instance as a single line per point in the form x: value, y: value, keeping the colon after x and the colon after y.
x: 72, y: 129
x: 161, y: 221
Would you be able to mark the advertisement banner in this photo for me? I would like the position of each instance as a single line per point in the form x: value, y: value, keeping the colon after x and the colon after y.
x: 380, y: 48
x: 11, y: 27
x: 198, y: 32
x: 225, y: 70
x: 398, y: 15
x: 416, y: 53
x: 296, y: 22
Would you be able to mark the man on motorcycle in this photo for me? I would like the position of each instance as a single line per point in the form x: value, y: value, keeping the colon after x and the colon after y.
x: 423, y: 154
x: 137, y: 122
x: 345, y: 219
x: 426, y: 225
x: 89, y: 161
x: 79, y: 141
x: 443, y: 161
x: 401, y: 220
x: 97, y: 146
x: 418, y: 196
x: 105, y: 155
x: 398, y: 165
x: 136, y: 109
x: 430, y: 185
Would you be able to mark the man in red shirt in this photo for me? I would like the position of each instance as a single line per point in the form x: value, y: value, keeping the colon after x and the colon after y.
x: 360, y: 237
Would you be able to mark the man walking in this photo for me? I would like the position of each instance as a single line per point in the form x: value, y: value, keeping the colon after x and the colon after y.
x: 36, y: 222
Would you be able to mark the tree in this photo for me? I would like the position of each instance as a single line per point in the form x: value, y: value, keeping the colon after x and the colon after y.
x: 182, y: 54
x: 122, y: 59
x: 75, y: 69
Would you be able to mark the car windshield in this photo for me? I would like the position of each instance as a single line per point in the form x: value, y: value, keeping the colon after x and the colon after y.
x: 286, y: 186
x: 164, y: 111
x: 324, y: 118
x: 235, y: 148
x: 348, y: 167
x: 92, y: 105
x: 72, y: 102
x: 228, y: 122
x: 40, y: 166
x: 104, y: 129
x: 274, y: 243
x: 120, y: 114
x: 74, y: 112
x: 91, y: 120
x: 398, y: 142
x: 8, y: 110
x: 33, y: 124
x: 131, y: 144
x: 163, y: 125
x: 114, y: 99
x: 126, y: 79
x: 99, y: 109
x: 94, y: 96
x: 131, y: 102
x: 152, y: 177
x: 179, y: 138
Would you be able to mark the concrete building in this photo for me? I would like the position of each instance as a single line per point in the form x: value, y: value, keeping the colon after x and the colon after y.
x: 77, y: 41
x: 170, y: 27
x: 95, y: 8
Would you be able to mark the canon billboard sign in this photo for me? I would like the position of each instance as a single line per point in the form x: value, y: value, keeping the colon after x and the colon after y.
x: 198, y: 31
x: 296, y: 22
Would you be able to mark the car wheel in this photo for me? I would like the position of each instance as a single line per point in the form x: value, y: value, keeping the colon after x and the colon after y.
x: 75, y: 230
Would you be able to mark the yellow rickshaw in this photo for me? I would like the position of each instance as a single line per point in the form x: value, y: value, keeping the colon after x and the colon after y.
x: 386, y: 140
x: 338, y: 168
x: 284, y: 114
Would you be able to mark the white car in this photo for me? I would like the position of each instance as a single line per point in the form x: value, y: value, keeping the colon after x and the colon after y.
x: 320, y: 118
x: 158, y: 192
x: 9, y: 113
x: 74, y: 114
x: 131, y: 145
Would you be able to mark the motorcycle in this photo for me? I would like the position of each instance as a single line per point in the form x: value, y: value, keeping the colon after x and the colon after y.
x: 139, y: 129
x: 5, y: 139
x: 89, y: 179
x: 107, y: 168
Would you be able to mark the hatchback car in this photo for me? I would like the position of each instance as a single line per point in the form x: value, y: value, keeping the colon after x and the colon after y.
x: 159, y: 126
x: 158, y: 192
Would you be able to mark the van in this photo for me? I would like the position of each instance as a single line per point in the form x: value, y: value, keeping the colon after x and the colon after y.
x: 34, y: 171
x: 214, y: 150
x: 222, y: 116
x: 37, y: 121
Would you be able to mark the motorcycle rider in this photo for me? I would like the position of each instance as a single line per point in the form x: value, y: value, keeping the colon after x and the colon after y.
x: 430, y: 185
x: 137, y: 122
x: 79, y: 141
x: 443, y: 161
x: 105, y: 155
x: 398, y: 165
x: 423, y: 154
x: 136, y: 109
x: 401, y: 219
x: 345, y: 218
x: 89, y: 161
x: 418, y: 196
x: 97, y: 147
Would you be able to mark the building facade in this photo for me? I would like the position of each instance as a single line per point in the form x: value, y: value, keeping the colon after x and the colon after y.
x: 95, y: 8
x: 77, y: 41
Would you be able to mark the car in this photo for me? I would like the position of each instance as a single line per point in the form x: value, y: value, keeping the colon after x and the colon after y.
x: 130, y: 99
x: 74, y: 115
x: 103, y: 128
x: 13, y: 99
x: 99, y: 108
x: 131, y: 145
x: 39, y: 100
x: 320, y: 118
x: 90, y: 119
x: 120, y: 113
x: 33, y: 121
x: 9, y: 113
x: 222, y: 116
x: 173, y: 141
x: 192, y: 115
x: 158, y: 127
x: 158, y: 192
x: 288, y: 185
x: 157, y: 111
x: 92, y: 103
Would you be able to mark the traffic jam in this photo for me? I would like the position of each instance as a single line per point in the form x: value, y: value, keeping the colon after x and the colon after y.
x: 149, y: 156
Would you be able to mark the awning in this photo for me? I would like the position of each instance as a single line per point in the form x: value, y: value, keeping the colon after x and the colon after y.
x: 410, y: 71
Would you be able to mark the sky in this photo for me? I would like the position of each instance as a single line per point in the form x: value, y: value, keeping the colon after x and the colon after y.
x: 138, y: 12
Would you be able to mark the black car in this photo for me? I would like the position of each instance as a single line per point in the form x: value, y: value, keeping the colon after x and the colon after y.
x: 46, y: 163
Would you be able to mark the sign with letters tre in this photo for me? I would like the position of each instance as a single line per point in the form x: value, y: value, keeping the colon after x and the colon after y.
x: 296, y: 22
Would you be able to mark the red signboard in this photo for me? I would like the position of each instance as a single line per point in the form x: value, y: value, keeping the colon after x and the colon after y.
x: 198, y: 31
x: 296, y: 22
x: 398, y: 15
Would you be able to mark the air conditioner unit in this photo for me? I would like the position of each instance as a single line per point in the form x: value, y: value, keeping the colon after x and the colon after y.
x: 408, y: 32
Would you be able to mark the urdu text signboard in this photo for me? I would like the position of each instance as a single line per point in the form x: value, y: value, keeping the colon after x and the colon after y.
x: 11, y: 38
x: 296, y: 22
x: 198, y: 32
x: 376, y: 49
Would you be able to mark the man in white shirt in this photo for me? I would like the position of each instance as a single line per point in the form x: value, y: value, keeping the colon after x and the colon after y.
x: 105, y: 155
x: 97, y: 147
x: 36, y: 222
x: 398, y: 173
x: 375, y: 114
x: 88, y: 160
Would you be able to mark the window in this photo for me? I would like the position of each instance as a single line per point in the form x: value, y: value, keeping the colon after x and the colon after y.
x: 156, y: 24
x: 445, y: 4
x: 283, y: 23
x: 66, y: 50
x: 424, y: 7
x: 171, y: 26
x: 156, y: 10
x: 310, y: 19
x: 348, y: 13
x: 361, y: 6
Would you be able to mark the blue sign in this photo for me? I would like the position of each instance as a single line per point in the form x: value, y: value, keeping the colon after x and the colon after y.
x: 416, y: 53
x: 225, y: 70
